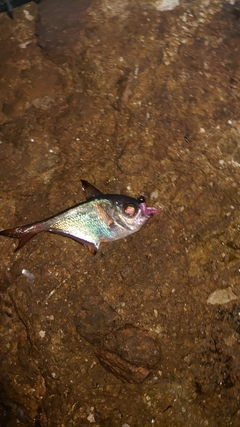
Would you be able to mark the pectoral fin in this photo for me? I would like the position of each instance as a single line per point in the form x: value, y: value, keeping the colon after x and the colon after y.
x: 103, y: 215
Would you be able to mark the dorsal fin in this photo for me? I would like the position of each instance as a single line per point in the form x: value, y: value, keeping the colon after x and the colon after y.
x: 90, y: 191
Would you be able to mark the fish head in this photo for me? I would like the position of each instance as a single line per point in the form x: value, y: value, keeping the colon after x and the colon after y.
x: 130, y: 213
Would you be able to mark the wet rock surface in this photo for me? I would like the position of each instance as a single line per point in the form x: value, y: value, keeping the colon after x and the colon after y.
x: 136, y: 99
x: 58, y: 26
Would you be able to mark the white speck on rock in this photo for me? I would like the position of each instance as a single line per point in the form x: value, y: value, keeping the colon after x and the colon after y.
x: 28, y: 275
x: 91, y: 418
x: 28, y: 16
x: 154, y: 194
x: 166, y: 4
x: 236, y: 164
x: 43, y: 103
x: 24, y: 45
x: 42, y: 334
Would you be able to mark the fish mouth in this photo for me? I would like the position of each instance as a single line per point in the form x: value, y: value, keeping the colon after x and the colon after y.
x: 147, y: 211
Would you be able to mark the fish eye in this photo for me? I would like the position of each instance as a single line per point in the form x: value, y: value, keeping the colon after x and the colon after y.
x: 130, y: 210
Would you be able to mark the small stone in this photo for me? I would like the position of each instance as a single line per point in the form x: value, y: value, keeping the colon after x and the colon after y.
x: 91, y: 418
x: 222, y: 296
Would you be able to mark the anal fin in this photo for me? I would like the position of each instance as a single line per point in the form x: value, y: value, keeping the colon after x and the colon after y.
x: 90, y: 246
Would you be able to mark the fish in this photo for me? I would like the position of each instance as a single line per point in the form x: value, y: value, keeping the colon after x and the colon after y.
x: 101, y: 218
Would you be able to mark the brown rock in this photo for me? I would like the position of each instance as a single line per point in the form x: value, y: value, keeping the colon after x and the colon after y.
x: 58, y: 26
x: 96, y: 318
x: 129, y: 353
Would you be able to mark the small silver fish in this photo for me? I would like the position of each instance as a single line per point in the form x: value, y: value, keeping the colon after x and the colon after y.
x: 102, y: 218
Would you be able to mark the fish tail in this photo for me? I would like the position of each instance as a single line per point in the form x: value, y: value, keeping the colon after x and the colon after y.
x: 24, y: 233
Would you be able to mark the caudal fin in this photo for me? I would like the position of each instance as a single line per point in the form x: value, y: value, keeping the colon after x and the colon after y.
x: 24, y: 234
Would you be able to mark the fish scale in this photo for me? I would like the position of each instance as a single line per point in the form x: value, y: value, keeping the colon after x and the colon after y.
x: 87, y: 222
